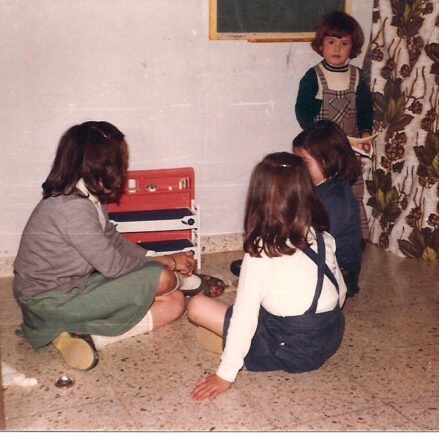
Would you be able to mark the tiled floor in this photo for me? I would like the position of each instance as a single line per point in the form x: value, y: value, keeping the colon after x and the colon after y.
x: 385, y: 376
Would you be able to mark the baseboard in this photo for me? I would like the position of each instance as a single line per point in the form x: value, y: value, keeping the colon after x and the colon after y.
x: 7, y: 267
x: 221, y: 243
x: 209, y: 244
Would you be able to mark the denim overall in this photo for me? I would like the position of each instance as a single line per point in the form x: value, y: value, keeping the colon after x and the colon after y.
x: 296, y: 343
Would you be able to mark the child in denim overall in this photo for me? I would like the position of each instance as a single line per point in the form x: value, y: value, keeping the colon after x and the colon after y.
x: 333, y: 167
x: 287, y: 313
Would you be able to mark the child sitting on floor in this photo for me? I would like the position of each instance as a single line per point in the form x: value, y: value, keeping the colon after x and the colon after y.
x: 75, y: 275
x: 287, y: 314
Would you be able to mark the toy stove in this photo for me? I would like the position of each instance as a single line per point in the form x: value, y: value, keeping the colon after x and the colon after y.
x: 157, y: 210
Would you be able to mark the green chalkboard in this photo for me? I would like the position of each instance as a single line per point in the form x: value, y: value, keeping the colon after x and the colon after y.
x: 269, y: 20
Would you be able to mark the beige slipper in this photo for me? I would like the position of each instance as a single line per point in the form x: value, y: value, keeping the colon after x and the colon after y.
x: 209, y: 340
x: 77, y: 349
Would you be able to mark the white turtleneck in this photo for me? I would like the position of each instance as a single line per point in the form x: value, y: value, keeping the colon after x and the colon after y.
x: 337, y: 79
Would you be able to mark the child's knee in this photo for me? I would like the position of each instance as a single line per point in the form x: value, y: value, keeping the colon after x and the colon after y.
x: 195, y: 307
x: 167, y: 281
x: 179, y: 303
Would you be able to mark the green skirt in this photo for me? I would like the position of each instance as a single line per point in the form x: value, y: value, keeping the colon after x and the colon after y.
x: 106, y: 306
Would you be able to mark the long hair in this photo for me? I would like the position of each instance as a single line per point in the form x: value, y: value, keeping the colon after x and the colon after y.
x: 339, y: 24
x: 326, y: 142
x: 282, y: 204
x: 91, y: 151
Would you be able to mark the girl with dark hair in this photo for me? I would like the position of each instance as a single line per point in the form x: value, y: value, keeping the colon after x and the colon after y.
x: 287, y: 313
x: 335, y: 90
x: 333, y: 168
x: 79, y: 283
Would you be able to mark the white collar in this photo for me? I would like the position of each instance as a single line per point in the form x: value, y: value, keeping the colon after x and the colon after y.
x: 94, y: 199
x: 81, y: 186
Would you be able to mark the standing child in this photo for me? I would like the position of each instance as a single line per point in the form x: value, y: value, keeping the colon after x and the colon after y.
x: 333, y: 167
x: 336, y: 90
x: 287, y: 314
x: 75, y: 275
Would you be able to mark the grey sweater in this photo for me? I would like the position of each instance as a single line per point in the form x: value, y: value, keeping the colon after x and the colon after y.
x: 63, y: 242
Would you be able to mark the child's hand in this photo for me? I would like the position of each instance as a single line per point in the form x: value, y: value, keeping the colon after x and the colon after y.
x: 366, y: 147
x: 210, y: 387
x: 185, y: 262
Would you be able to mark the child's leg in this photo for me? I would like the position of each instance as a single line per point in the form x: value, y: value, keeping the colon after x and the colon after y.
x: 168, y: 305
x: 350, y: 274
x: 167, y: 308
x: 207, y: 312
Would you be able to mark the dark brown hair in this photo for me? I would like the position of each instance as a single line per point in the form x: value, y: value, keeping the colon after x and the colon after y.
x: 282, y: 204
x: 326, y: 142
x: 339, y: 24
x: 91, y: 151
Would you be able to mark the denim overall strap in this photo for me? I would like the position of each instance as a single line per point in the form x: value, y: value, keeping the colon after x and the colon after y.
x: 313, y: 255
x: 321, y: 257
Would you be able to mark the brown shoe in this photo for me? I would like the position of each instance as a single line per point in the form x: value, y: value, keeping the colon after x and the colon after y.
x: 77, y: 349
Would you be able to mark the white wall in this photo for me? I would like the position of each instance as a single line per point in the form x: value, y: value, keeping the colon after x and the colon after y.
x: 148, y: 67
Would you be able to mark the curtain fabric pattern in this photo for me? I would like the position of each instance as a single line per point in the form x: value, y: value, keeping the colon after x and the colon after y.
x: 402, y: 179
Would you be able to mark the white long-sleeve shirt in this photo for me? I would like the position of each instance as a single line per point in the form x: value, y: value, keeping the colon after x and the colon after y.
x: 284, y: 286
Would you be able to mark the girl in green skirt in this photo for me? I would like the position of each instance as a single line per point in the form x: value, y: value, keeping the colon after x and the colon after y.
x: 79, y: 283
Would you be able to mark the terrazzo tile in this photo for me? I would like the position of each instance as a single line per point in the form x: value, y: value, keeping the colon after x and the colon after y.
x: 387, y: 276
x: 308, y: 395
x: 151, y: 405
x: 372, y: 419
x: 415, y: 358
x: 218, y: 264
x: 364, y: 346
x: 11, y: 320
x: 416, y: 324
x: 424, y: 412
x: 175, y: 410
x: 46, y: 366
x: 363, y: 334
x: 89, y: 386
x: 100, y: 415
x: 401, y: 381
x: 159, y: 397
x: 203, y: 417
x: 384, y: 377
x: 139, y: 363
x: 370, y: 301
x: 5, y: 287
x: 10, y: 313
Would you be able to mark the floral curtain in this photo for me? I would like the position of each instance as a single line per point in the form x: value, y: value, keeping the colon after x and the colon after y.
x: 402, y: 179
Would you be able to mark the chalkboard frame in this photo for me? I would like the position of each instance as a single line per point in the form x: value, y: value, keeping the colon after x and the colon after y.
x: 258, y: 37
